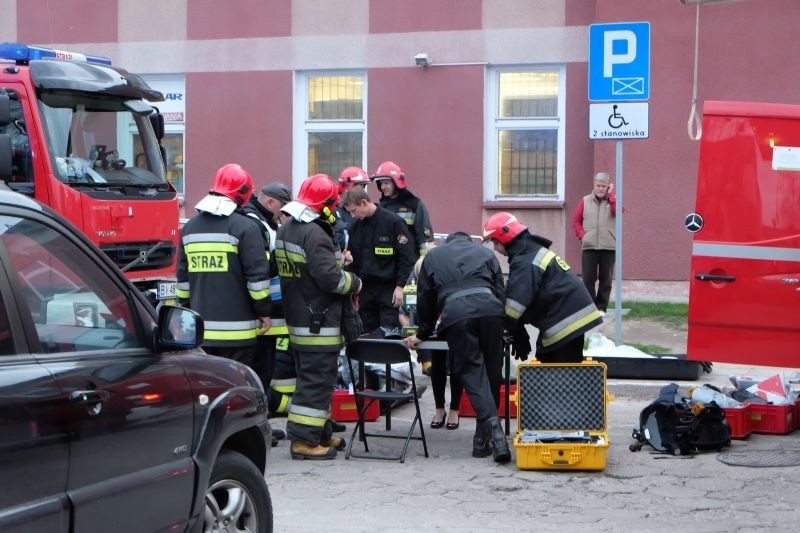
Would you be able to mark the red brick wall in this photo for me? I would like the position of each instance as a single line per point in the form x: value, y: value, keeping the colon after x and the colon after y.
x: 245, y: 119
x: 70, y: 21
x: 430, y: 122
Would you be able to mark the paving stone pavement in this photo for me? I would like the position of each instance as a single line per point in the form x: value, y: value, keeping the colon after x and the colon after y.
x: 452, y: 491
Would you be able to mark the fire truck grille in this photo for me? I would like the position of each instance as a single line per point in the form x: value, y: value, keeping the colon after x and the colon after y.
x: 138, y: 256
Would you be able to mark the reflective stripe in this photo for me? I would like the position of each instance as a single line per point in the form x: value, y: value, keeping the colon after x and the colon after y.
x: 543, y: 258
x: 570, y: 324
x: 282, y: 344
x: 218, y: 335
x: 219, y: 247
x: 381, y: 250
x: 514, y: 309
x: 290, y: 251
x: 285, y: 402
x: 286, y: 386
x: 210, y: 237
x: 231, y: 325
x: 315, y: 340
x: 275, y: 289
x: 345, y: 283
x: 277, y: 331
x: 259, y: 290
x: 307, y: 416
x: 182, y: 290
x: 218, y: 330
x: 305, y: 420
x: 741, y: 251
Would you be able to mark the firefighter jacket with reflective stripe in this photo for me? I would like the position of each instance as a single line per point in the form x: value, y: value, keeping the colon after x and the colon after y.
x: 268, y: 226
x: 223, y: 275
x: 382, y: 249
x: 415, y: 215
x: 313, y: 284
x: 542, y: 290
x: 459, y: 280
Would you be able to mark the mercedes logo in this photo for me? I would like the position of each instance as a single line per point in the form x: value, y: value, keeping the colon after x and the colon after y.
x: 693, y: 222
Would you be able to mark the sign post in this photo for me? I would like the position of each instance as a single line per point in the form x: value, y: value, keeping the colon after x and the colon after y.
x: 619, y: 78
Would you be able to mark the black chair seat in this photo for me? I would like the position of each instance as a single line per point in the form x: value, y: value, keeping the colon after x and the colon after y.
x: 383, y: 352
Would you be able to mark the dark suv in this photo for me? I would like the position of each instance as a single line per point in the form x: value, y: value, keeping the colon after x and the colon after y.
x: 111, y: 417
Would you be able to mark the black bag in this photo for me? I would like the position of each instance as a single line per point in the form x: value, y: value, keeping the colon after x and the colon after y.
x: 352, y: 327
x: 674, y: 425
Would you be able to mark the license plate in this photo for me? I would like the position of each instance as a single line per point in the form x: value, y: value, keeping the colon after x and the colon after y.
x: 166, y: 290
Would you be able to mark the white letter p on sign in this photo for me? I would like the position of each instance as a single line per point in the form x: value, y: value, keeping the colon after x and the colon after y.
x: 610, y: 58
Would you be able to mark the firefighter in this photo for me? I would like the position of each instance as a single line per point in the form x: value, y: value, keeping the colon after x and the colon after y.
x: 314, y: 286
x: 272, y: 361
x: 349, y: 177
x: 383, y: 257
x: 462, y: 282
x: 542, y: 291
x: 222, y: 268
x: 397, y: 198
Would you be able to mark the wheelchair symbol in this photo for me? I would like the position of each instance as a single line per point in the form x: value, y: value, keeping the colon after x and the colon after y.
x: 615, y: 120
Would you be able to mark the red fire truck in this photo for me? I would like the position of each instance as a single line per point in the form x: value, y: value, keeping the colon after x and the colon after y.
x: 744, y: 299
x: 82, y: 137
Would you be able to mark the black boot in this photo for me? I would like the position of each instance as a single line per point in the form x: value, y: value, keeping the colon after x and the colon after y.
x: 497, y: 441
x: 480, y: 442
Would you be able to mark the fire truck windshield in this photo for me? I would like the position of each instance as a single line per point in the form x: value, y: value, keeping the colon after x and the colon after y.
x: 99, y: 141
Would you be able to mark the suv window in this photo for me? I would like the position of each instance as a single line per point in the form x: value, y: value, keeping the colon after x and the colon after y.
x: 74, y: 304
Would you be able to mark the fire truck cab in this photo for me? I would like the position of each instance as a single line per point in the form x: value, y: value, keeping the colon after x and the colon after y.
x: 744, y: 298
x: 82, y: 137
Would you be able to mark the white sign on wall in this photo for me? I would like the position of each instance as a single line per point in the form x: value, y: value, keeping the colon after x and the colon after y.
x: 619, y: 120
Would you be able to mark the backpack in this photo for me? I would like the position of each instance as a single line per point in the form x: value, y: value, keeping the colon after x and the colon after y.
x: 674, y: 425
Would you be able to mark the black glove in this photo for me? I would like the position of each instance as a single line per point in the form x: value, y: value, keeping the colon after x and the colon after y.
x: 521, y: 344
x: 521, y: 349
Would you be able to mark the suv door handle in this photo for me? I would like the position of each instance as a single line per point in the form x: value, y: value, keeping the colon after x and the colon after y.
x: 713, y: 277
x: 86, y: 396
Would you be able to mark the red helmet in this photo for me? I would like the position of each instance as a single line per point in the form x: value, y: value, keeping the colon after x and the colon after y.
x: 390, y: 169
x: 503, y: 227
x: 234, y: 182
x: 352, y: 176
x: 318, y: 191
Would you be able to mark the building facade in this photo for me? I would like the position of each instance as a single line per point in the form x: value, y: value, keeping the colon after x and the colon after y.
x: 499, y: 119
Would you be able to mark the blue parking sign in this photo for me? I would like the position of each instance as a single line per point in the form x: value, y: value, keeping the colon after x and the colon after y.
x: 619, y: 61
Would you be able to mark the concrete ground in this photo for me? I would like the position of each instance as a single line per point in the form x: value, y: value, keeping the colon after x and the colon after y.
x: 636, y: 491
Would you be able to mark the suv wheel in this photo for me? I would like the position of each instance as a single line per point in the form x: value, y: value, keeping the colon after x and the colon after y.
x: 237, y: 498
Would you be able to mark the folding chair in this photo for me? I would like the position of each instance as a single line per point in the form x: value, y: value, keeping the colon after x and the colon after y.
x: 383, y: 352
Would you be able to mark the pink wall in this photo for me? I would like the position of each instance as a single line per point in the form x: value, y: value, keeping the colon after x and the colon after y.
x: 659, y: 173
x: 579, y: 161
x: 391, y: 16
x: 73, y: 21
x: 430, y: 122
x: 246, y: 119
x: 215, y: 19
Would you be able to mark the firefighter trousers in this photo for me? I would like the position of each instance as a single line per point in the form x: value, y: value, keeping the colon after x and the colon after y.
x: 284, y: 380
x: 476, y: 345
x: 309, y: 412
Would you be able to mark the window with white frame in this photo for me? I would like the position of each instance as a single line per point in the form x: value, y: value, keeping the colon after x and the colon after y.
x: 525, y: 134
x: 330, y: 122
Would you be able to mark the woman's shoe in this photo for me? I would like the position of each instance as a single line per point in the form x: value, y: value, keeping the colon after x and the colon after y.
x: 452, y: 425
x: 436, y: 424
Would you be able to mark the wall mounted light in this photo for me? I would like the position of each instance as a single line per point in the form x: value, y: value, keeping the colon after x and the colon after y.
x: 422, y: 60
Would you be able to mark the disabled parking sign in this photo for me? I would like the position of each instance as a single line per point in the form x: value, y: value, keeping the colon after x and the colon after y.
x: 619, y: 61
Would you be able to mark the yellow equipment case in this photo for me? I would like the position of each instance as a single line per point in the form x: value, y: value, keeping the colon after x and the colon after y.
x: 562, y: 419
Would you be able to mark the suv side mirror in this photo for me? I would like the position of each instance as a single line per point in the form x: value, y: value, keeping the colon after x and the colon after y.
x: 178, y: 328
